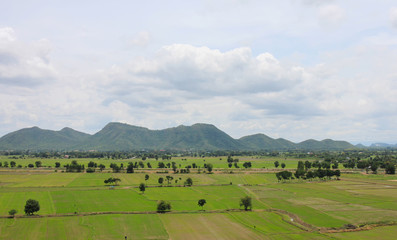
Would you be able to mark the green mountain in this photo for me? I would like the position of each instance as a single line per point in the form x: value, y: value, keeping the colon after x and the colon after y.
x: 261, y: 141
x: 118, y: 136
x: 326, y: 144
x: 38, y: 139
x: 124, y: 137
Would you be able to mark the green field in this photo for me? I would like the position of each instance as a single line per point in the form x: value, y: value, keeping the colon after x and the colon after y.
x: 81, y: 206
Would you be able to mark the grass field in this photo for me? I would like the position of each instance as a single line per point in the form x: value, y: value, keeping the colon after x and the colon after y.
x: 356, y: 199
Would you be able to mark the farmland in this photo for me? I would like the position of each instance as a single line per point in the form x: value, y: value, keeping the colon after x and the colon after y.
x: 81, y: 206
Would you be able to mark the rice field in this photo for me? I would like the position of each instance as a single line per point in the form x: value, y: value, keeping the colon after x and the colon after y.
x: 81, y: 206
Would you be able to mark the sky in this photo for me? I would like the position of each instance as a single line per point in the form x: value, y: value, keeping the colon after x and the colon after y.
x: 295, y: 69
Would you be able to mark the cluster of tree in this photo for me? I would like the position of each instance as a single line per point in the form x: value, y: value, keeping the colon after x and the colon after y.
x: 373, y: 164
x: 163, y: 206
x: 235, y: 165
x: 247, y: 164
x: 112, y: 181
x: 308, y: 175
x: 74, y: 167
x: 277, y: 164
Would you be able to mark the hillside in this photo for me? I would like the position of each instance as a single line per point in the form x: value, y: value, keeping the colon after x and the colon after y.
x: 123, y: 137
x: 38, y: 139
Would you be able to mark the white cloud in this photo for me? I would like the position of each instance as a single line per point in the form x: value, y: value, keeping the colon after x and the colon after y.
x: 393, y: 17
x: 141, y: 39
x: 24, y: 64
x: 331, y: 15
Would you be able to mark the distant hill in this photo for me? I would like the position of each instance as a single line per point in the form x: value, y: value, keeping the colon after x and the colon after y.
x: 261, y: 141
x: 123, y: 137
x: 38, y: 139
x: 326, y: 144
x: 383, y: 145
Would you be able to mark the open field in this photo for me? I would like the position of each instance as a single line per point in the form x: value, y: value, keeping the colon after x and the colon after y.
x: 80, y: 206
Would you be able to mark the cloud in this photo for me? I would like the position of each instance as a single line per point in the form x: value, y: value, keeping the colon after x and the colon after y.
x: 393, y: 17
x: 203, y: 72
x: 331, y: 16
x: 24, y: 64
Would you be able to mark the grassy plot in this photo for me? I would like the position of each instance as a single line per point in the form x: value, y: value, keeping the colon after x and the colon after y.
x: 385, y: 233
x: 272, y: 226
x: 17, y: 200
x: 87, y: 227
x: 206, y: 226
x: 100, y: 201
x: 185, y: 199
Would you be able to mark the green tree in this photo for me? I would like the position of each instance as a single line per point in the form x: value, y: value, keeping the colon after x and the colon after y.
x: 308, y: 165
x: 130, y: 168
x: 169, y: 178
x: 189, y: 182
x: 283, y: 165
x: 209, y: 167
x: 201, y: 203
x: 161, y: 180
x: 163, y: 206
x: 31, y: 206
x: 246, y: 202
x: 390, y: 168
x: 38, y: 164
x: 12, y: 164
x: 374, y: 167
x: 247, y: 164
x: 276, y: 164
x: 146, y: 177
x: 57, y: 164
x: 12, y: 212
x: 101, y: 167
x: 142, y: 187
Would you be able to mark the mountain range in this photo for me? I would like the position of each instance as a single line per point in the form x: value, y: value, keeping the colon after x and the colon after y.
x: 123, y: 137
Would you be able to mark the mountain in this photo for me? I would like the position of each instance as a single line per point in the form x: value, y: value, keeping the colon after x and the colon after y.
x: 123, y: 137
x: 326, y: 144
x: 261, y: 141
x: 38, y: 139
x: 118, y: 136
x: 383, y: 145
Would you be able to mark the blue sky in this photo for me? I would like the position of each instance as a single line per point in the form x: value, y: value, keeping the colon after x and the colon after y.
x: 296, y: 69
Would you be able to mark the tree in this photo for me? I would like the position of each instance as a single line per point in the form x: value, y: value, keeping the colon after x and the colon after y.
x: 112, y: 180
x: 276, y: 164
x: 283, y: 165
x: 390, y: 169
x: 163, y: 206
x: 201, y: 203
x: 161, y: 180
x: 101, y: 167
x: 130, y: 168
x: 12, y: 212
x: 209, y: 167
x: 142, y: 187
x: 308, y: 165
x: 12, y: 164
x: 169, y: 178
x: 38, y: 164
x: 246, y: 202
x: 91, y: 164
x: 31, y: 206
x: 374, y: 167
x: 146, y: 177
x: 57, y: 164
x: 189, y: 182
x: 247, y: 164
